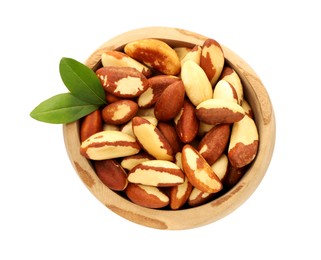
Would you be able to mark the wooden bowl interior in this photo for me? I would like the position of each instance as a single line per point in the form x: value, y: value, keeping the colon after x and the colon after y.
x: 256, y: 95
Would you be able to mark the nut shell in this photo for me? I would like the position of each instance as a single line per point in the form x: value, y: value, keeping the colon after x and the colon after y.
x: 111, y: 174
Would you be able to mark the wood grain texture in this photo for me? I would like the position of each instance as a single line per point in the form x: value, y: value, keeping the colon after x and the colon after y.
x: 255, y: 94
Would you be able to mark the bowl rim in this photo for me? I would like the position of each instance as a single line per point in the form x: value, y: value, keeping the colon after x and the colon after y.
x: 215, y: 209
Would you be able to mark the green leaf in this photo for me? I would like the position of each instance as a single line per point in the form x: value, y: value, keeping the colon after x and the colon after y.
x: 62, y: 109
x: 81, y: 81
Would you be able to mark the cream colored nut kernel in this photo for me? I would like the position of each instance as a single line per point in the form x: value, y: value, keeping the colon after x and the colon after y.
x: 178, y: 160
x: 111, y: 127
x: 194, y: 55
x: 158, y: 173
x: 204, y: 128
x: 128, y: 127
x: 156, y: 54
x: 247, y: 109
x: 228, y: 74
x: 182, y: 51
x: 220, y: 167
x: 212, y: 60
x: 196, y: 193
x: 197, y: 86
x: 131, y: 161
x: 120, y: 59
x: 151, y: 139
x: 179, y: 194
x: 198, y: 197
x: 108, y: 145
x: 224, y: 90
x: 244, y: 142
x: 198, y: 171
x: 219, y: 111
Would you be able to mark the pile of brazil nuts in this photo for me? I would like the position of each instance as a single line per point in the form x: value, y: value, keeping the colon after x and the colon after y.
x: 176, y: 132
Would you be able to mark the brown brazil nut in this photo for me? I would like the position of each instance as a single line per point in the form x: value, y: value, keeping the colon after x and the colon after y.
x: 169, y: 132
x: 225, y: 90
x: 198, y: 171
x: 146, y: 196
x: 129, y: 162
x: 233, y: 176
x: 186, y: 122
x: 151, y: 139
x: 128, y: 127
x: 214, y: 142
x: 179, y: 194
x: 91, y: 124
x: 194, y: 55
x: 124, y: 82
x: 247, y: 109
x: 212, y: 60
x: 198, y: 197
x: 111, y: 174
x: 244, y: 142
x: 119, y: 112
x: 170, y: 101
x: 219, y: 111
x: 182, y: 52
x: 157, y: 84
x: 120, y: 59
x: 109, y: 144
x: 158, y: 173
x: 229, y: 75
x: 156, y: 54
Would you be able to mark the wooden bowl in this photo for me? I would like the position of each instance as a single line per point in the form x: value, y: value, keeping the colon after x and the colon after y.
x: 255, y: 94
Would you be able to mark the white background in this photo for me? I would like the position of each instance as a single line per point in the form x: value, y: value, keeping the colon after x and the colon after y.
x: 45, y: 210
